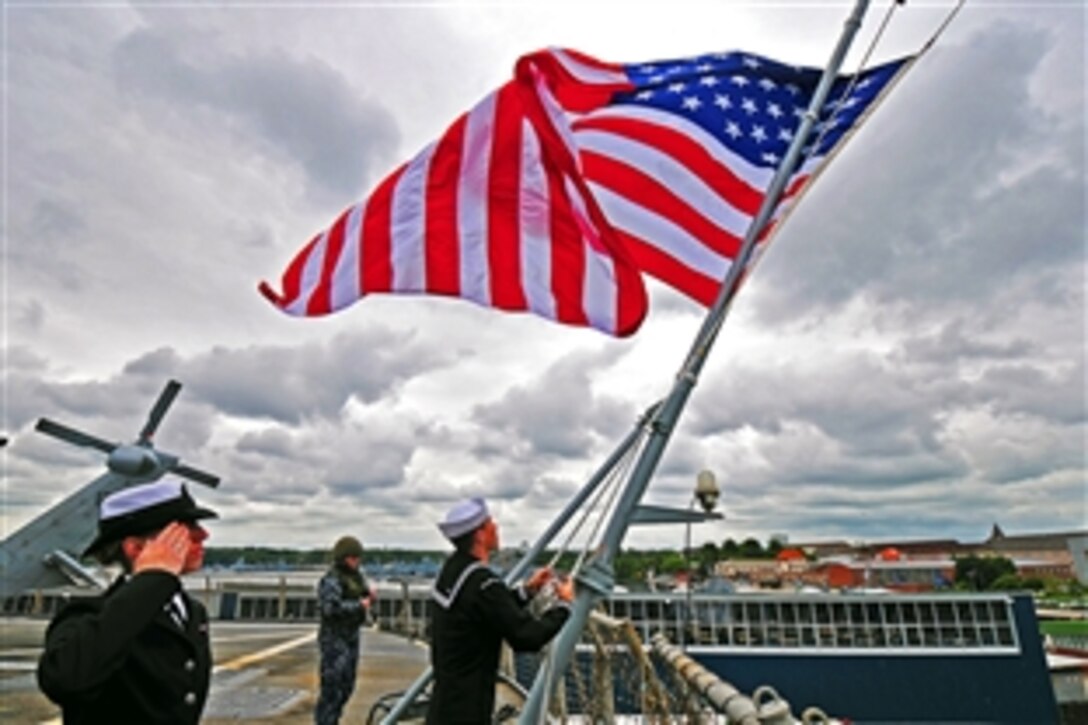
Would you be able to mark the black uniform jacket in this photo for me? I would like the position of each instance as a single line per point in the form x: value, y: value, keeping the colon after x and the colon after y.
x: 472, y: 612
x: 121, y: 658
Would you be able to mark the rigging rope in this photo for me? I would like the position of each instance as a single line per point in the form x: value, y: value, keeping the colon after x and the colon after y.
x: 826, y: 126
x: 868, y: 54
x: 617, y: 474
x: 624, y: 474
x: 760, y: 248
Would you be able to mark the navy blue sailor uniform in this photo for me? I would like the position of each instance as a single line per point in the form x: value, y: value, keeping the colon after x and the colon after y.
x: 127, y: 657
x: 473, y: 611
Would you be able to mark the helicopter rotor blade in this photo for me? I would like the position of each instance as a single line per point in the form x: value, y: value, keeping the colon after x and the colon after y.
x: 73, y: 436
x: 159, y: 410
x: 195, y: 474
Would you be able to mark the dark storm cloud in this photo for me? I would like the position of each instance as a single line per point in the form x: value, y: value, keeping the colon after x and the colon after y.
x: 374, y: 455
x: 1057, y: 396
x: 19, y: 358
x: 291, y: 384
x: 50, y: 236
x: 295, y: 106
x: 868, y: 407
x: 955, y: 342
x: 351, y: 460
x: 559, y: 414
x: 271, y: 442
x: 941, y: 195
x: 34, y: 392
x: 29, y: 316
x: 882, y: 473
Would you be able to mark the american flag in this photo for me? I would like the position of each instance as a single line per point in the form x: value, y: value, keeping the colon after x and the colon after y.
x: 556, y: 192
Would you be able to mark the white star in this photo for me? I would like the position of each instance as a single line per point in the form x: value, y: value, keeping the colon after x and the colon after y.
x: 784, y: 134
x: 767, y: 84
x: 751, y: 62
x: 864, y: 84
x: 722, y: 101
x: 692, y: 103
x: 644, y: 95
x: 793, y: 89
x: 659, y: 78
x: 770, y: 158
x: 749, y: 106
x: 709, y: 81
x: 733, y: 130
x: 741, y: 81
x: 704, y: 67
x: 677, y: 87
x: 774, y: 110
x: 759, y: 134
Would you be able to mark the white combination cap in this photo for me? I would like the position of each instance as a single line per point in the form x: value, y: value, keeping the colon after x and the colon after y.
x: 137, y: 498
x: 141, y: 509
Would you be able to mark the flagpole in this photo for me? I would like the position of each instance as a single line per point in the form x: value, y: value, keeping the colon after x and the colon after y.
x: 542, y: 542
x: 596, y: 579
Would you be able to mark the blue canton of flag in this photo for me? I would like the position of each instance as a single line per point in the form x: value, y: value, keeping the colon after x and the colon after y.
x: 754, y: 104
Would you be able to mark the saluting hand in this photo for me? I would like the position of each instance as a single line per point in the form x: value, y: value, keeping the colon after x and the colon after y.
x: 166, y: 550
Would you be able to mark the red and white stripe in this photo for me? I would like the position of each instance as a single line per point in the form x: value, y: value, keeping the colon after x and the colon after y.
x: 480, y: 214
x: 679, y: 200
x: 544, y: 198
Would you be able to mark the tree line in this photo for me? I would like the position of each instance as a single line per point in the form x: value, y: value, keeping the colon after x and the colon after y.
x: 630, y: 565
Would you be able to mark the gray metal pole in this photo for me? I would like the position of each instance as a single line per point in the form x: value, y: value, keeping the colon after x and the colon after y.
x: 597, y: 578
x: 534, y: 551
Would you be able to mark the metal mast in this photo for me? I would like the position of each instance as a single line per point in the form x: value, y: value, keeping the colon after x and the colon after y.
x: 597, y: 579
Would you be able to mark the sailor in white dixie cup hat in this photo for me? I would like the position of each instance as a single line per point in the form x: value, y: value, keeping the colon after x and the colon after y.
x: 473, y: 611
x: 465, y: 517
x: 138, y: 653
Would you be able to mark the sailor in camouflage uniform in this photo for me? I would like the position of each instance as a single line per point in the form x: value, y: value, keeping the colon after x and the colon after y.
x: 343, y: 598
x: 473, y: 612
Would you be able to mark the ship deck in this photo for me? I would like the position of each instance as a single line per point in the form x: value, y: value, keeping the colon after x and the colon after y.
x: 264, y: 672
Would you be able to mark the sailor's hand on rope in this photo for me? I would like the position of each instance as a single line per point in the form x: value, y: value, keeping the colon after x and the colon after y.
x: 564, y: 588
x: 539, y: 578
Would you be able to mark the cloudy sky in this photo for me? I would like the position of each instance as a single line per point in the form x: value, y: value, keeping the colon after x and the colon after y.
x: 908, y: 359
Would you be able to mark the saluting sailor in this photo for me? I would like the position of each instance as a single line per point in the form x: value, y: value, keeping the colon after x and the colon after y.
x: 473, y: 611
x: 139, y: 653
